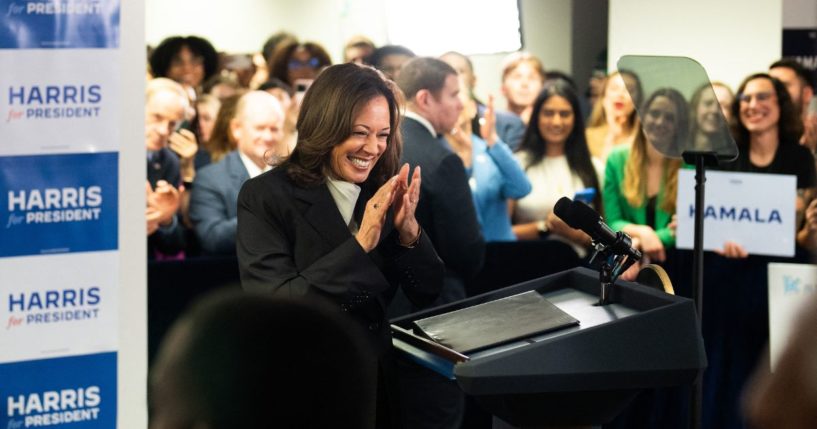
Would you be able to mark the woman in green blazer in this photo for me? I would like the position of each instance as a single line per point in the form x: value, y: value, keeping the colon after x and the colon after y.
x: 641, y: 183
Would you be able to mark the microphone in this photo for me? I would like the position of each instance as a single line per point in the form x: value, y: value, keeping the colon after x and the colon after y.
x: 579, y: 215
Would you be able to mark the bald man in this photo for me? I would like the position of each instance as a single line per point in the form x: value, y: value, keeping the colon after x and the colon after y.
x: 165, y: 106
x: 258, y: 130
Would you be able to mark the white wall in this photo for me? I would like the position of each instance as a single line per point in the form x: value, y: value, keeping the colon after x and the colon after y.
x: 244, y: 25
x: 730, y: 38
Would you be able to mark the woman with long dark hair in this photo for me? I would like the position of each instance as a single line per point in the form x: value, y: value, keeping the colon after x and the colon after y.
x: 556, y: 159
x: 767, y: 130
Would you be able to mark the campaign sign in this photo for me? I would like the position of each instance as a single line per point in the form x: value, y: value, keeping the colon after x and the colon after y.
x: 754, y: 210
x: 59, y: 24
x: 58, y: 203
x: 71, y: 392
x: 790, y: 287
x: 59, y: 102
x: 59, y: 300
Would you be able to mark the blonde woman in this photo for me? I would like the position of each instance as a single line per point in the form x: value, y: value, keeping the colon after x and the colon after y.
x: 613, y: 121
x: 641, y: 184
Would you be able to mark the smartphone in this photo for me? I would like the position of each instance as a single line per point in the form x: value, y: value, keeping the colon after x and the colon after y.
x: 585, y: 195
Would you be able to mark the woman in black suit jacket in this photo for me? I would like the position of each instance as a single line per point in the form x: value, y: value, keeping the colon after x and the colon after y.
x: 336, y: 220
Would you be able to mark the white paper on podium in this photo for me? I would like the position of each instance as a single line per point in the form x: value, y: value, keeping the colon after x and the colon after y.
x: 754, y: 210
x: 790, y: 286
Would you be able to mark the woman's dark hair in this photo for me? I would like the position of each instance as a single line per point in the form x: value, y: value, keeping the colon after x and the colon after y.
x: 279, y: 66
x: 163, y: 55
x: 271, y: 44
x: 327, y: 116
x: 576, y: 151
x: 274, y: 83
x: 375, y: 59
x: 789, y: 126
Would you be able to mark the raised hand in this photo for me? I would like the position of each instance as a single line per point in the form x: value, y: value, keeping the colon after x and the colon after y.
x: 183, y: 142
x: 487, y: 125
x: 164, y: 199
x: 374, y: 215
x: 152, y: 215
x: 406, y: 199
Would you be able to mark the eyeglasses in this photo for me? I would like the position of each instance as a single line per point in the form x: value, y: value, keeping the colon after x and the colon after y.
x: 760, y: 97
x: 298, y: 64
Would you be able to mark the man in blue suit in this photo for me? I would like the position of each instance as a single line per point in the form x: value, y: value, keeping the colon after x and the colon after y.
x: 258, y: 131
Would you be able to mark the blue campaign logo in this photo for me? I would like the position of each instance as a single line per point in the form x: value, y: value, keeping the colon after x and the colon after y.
x: 739, y: 214
x: 59, y: 24
x: 55, y: 306
x: 50, y: 101
x: 58, y: 203
x: 76, y: 392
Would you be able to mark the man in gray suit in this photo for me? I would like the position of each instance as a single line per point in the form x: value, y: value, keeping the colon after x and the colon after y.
x: 258, y: 131
x: 446, y: 212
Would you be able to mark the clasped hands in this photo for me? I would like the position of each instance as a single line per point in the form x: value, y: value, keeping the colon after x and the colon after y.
x: 162, y: 204
x: 403, y: 198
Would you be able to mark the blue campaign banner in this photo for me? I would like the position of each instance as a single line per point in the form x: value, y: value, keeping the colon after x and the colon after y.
x: 75, y: 392
x: 58, y: 203
x: 59, y: 24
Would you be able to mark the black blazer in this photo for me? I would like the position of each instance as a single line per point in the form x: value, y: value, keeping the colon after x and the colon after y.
x: 293, y: 241
x: 446, y: 208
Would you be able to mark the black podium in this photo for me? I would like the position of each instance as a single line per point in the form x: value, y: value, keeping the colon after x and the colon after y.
x: 581, y: 375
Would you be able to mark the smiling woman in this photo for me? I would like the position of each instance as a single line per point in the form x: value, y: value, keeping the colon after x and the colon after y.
x: 641, y: 184
x: 354, y: 157
x: 335, y: 221
x: 557, y: 161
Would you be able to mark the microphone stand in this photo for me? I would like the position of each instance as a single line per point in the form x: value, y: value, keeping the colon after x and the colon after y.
x: 616, y: 260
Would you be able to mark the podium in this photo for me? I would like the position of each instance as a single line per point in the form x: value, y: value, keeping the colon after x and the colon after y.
x: 581, y: 375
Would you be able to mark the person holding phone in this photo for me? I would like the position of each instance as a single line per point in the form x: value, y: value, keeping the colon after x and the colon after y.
x: 558, y: 164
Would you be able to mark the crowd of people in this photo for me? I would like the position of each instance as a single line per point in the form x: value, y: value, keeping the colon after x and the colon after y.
x: 335, y: 140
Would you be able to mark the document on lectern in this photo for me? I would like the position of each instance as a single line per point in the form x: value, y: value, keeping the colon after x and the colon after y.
x: 495, y: 322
